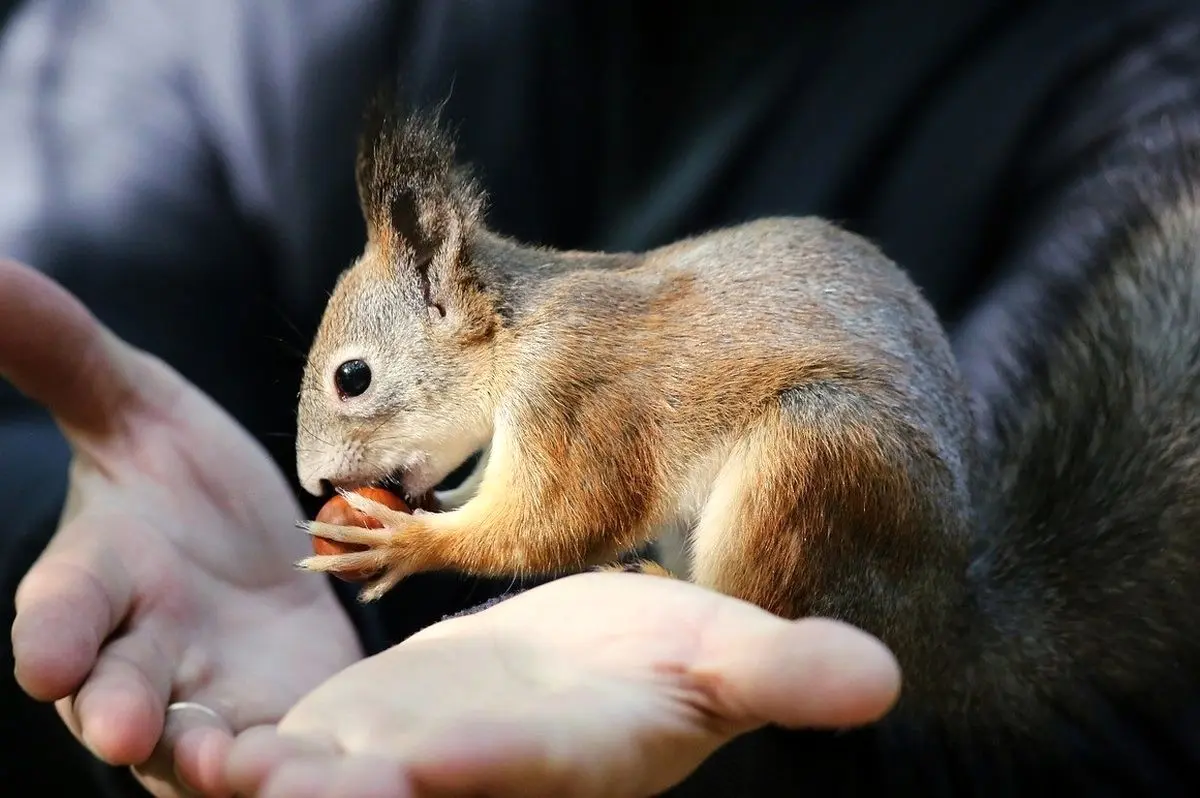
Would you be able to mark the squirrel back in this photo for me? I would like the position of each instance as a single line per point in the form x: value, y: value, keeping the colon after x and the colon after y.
x: 782, y: 390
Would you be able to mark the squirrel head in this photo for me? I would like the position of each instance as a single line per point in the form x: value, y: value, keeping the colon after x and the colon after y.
x: 397, y: 381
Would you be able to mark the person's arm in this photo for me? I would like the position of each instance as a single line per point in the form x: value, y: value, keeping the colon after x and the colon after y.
x: 184, y: 169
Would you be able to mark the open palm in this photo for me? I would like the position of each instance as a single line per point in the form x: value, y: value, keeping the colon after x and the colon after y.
x: 593, y: 685
x: 170, y: 577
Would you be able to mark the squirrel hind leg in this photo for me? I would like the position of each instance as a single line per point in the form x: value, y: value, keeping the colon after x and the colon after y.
x: 814, y: 512
x: 739, y: 546
x: 639, y: 566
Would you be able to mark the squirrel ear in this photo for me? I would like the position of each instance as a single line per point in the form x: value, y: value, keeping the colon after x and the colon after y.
x: 415, y: 199
x: 405, y: 226
x: 406, y: 223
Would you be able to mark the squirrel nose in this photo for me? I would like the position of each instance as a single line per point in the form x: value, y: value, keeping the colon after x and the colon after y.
x: 314, y: 485
x: 308, y: 469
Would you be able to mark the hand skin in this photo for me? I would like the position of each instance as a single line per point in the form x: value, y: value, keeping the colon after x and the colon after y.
x: 170, y: 577
x: 602, y: 684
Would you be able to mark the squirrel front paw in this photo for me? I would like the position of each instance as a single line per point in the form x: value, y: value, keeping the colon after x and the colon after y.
x: 391, y: 550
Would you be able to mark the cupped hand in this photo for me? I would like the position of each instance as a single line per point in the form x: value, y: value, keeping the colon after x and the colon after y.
x: 601, y: 684
x: 170, y: 577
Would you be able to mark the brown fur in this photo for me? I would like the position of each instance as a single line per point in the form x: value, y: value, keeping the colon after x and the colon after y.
x: 589, y: 453
x: 618, y: 393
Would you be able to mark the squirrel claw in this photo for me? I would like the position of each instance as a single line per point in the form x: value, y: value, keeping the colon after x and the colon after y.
x: 643, y: 566
x: 375, y: 590
x: 339, y: 563
x: 362, y: 536
x: 373, y: 509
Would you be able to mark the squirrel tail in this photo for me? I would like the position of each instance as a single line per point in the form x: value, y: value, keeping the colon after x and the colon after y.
x: 1090, y: 447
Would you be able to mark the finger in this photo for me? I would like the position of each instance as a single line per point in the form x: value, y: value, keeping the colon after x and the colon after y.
x: 56, y: 352
x: 320, y: 777
x: 756, y: 668
x: 259, y: 752
x: 365, y: 777
x: 295, y: 779
x: 65, y: 611
x: 200, y: 756
x: 191, y: 752
x: 120, y: 708
x: 499, y: 758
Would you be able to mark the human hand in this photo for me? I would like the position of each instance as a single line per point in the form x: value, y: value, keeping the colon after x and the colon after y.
x: 602, y: 684
x: 170, y: 577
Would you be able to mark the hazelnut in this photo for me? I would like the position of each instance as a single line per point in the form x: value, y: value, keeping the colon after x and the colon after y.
x: 337, y: 511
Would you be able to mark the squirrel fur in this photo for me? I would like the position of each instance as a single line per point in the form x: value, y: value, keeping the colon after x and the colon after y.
x: 782, y: 393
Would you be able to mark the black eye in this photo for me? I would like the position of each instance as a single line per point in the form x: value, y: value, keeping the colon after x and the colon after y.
x: 352, y: 378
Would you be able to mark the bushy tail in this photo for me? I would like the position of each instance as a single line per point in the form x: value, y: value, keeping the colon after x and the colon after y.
x: 1092, y: 443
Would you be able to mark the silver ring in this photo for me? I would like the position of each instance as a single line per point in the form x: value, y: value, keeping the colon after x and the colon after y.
x: 194, y: 707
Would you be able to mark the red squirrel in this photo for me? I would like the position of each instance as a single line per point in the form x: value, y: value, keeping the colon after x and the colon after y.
x: 780, y: 397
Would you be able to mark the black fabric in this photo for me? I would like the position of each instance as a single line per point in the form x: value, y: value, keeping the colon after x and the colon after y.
x: 185, y: 168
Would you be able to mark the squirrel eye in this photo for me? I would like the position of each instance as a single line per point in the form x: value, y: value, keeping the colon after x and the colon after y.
x: 352, y: 378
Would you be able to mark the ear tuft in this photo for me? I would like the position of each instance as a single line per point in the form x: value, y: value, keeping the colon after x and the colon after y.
x: 413, y: 195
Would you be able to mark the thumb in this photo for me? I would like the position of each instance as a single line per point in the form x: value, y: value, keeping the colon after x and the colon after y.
x: 760, y: 669
x: 55, y: 352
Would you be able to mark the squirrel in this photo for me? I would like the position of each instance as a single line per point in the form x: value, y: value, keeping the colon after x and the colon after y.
x: 781, y: 394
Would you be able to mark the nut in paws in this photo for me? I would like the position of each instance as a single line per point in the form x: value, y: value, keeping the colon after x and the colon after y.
x: 351, y: 532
